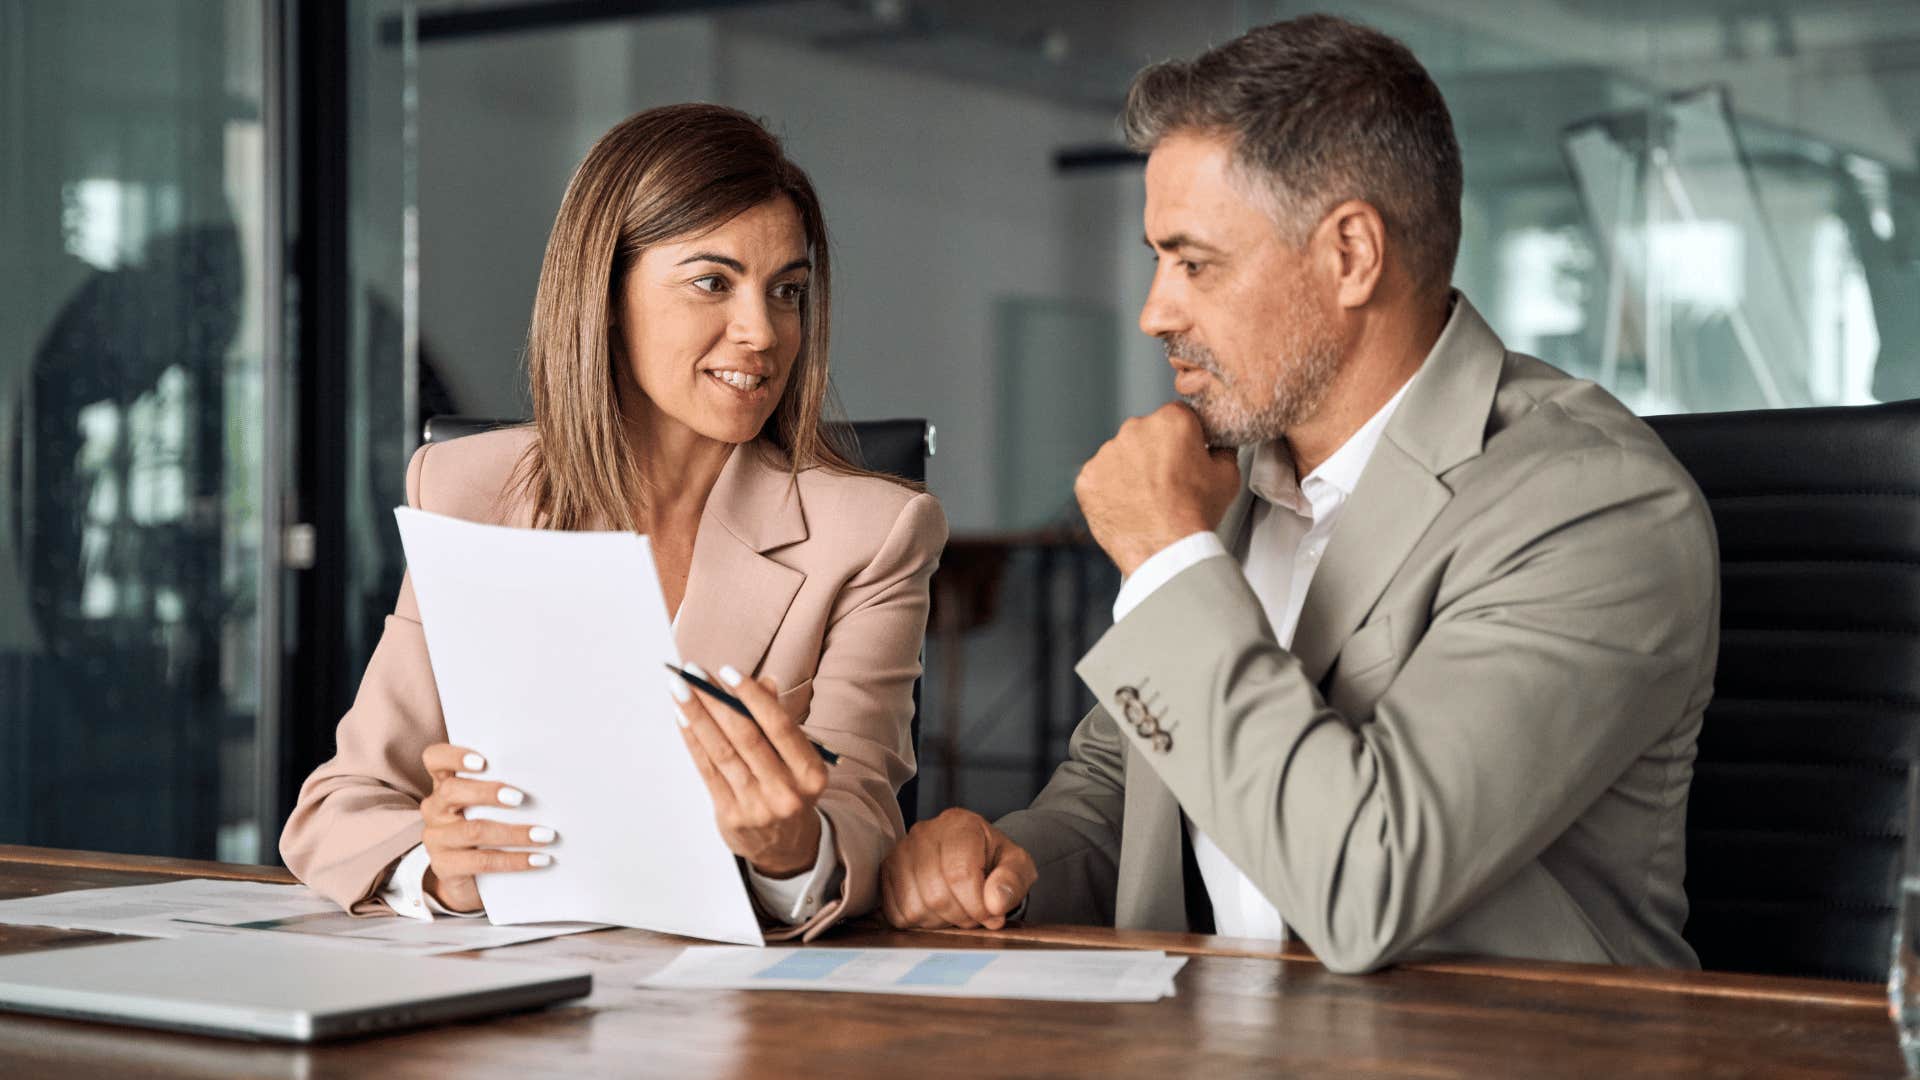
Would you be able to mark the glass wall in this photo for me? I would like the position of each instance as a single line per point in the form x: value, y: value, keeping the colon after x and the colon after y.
x: 1701, y: 206
x: 138, y: 246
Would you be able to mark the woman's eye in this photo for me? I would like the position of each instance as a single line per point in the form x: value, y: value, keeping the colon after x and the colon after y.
x: 789, y: 292
x: 712, y: 283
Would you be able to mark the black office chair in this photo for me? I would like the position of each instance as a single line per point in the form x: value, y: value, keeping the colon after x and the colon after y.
x: 1796, y: 818
x: 896, y: 447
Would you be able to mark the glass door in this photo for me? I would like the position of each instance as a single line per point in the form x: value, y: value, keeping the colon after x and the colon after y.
x: 140, y: 346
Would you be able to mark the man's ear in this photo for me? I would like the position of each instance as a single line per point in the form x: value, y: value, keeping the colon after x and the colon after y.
x: 1354, y: 240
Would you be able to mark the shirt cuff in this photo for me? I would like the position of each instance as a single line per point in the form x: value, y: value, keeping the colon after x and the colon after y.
x: 406, y: 892
x: 794, y: 900
x: 1164, y: 566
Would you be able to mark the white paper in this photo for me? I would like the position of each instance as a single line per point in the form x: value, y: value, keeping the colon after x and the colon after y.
x: 1030, y: 974
x: 547, y: 648
x: 205, y: 906
x: 150, y: 910
x: 389, y: 934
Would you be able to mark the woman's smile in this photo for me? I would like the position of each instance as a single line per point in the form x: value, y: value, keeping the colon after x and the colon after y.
x: 741, y: 383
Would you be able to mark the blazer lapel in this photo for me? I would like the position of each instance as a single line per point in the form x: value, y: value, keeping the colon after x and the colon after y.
x: 1234, y: 521
x: 1387, y: 514
x: 737, y: 595
x: 1441, y: 422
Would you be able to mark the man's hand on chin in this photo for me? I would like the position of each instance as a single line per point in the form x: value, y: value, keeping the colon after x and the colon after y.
x: 1153, y: 483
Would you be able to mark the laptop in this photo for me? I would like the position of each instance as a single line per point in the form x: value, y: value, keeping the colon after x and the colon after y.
x: 287, y: 991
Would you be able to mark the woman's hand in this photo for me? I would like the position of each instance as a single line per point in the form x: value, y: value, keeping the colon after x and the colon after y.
x: 458, y: 848
x: 763, y: 774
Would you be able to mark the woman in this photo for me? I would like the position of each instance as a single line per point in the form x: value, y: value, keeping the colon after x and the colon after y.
x: 678, y: 356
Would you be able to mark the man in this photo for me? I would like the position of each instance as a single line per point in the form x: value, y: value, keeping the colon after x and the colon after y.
x: 1422, y: 669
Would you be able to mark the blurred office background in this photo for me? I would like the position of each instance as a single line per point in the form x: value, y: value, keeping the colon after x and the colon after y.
x: 246, y: 246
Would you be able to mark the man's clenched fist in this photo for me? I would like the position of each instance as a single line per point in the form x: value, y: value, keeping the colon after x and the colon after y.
x: 956, y: 870
x: 1153, y: 483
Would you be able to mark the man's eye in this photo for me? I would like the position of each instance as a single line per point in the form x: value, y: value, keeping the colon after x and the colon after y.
x: 1190, y: 267
x: 712, y: 283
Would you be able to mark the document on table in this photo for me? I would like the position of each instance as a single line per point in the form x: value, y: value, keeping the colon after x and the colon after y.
x: 203, y: 906
x: 547, y: 650
x: 1033, y: 974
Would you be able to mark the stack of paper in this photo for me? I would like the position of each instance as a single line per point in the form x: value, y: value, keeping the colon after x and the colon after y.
x: 199, y: 906
x: 1033, y: 974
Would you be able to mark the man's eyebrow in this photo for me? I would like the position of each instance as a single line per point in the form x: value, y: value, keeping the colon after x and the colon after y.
x: 1178, y: 241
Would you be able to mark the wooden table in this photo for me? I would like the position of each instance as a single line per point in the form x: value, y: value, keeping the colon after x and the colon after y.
x: 1242, y: 1010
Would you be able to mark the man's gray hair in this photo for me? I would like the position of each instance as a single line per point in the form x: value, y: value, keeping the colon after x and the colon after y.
x: 1321, y: 110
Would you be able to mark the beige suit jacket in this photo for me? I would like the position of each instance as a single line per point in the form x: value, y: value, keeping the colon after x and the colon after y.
x: 1482, y: 738
x: 821, y: 584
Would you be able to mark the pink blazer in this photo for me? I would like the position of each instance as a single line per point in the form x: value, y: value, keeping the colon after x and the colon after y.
x: 819, y: 583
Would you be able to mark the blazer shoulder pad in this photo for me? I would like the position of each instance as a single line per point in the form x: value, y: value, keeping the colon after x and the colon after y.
x: 468, y: 477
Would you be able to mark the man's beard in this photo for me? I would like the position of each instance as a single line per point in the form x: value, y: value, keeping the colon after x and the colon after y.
x: 1232, y: 414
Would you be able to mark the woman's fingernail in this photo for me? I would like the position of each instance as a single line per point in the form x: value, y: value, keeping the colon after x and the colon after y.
x: 539, y: 858
x: 540, y: 834
x: 680, y: 718
x: 695, y: 670
x: 679, y: 689
x: 511, y: 796
x: 473, y: 762
x: 730, y: 675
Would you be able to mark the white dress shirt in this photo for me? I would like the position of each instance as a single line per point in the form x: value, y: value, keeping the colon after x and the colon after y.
x: 1289, y: 525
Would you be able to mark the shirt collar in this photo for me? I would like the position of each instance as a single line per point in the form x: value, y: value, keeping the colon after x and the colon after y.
x: 1272, y: 477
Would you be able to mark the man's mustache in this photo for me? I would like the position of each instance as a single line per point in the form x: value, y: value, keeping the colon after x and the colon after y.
x: 1193, y: 354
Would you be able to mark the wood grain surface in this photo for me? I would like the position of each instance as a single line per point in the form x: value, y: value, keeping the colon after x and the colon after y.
x: 1242, y: 1009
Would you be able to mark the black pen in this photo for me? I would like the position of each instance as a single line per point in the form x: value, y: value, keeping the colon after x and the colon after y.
x: 740, y: 707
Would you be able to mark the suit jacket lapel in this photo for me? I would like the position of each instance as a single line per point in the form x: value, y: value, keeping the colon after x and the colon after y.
x: 1440, y: 423
x: 737, y: 595
x: 1387, y: 514
x: 1234, y: 521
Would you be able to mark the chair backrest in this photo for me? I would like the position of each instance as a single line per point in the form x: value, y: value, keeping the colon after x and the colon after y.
x: 896, y: 447
x: 1796, y: 817
x: 439, y: 429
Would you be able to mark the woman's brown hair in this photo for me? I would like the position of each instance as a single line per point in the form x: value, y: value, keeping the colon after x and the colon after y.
x: 662, y: 174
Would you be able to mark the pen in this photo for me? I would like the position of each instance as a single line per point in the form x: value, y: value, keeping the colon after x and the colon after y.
x: 736, y: 705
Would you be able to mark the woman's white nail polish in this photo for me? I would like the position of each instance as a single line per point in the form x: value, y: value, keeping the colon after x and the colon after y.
x: 473, y: 762
x: 511, y: 796
x: 680, y: 718
x: 539, y: 858
x: 695, y: 670
x: 678, y: 687
x: 730, y: 675
x: 540, y: 834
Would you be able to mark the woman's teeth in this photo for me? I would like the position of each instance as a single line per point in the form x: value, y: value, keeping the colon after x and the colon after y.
x: 739, y: 380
